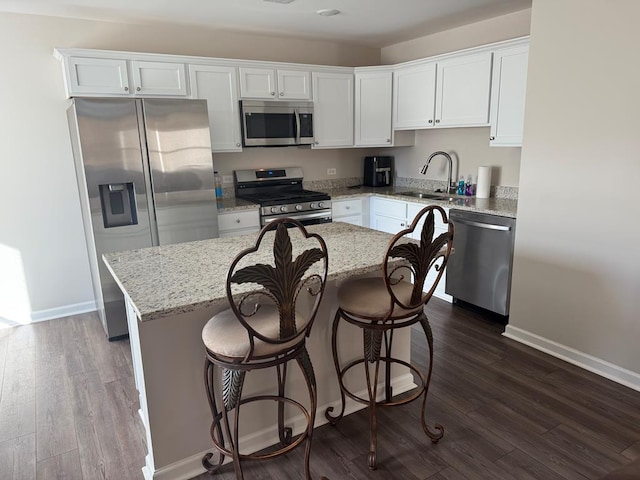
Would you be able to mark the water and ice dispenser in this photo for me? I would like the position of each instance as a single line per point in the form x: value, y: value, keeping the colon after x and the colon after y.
x: 118, y: 201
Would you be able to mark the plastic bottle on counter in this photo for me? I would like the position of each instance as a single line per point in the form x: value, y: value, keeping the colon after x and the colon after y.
x: 461, y: 185
x: 469, y: 187
x: 218, y: 185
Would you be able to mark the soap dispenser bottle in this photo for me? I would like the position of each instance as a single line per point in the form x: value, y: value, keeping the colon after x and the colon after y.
x: 461, y: 185
x: 218, y: 186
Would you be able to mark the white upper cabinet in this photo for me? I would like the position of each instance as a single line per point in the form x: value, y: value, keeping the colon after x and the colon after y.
x: 509, y: 82
x: 373, y: 93
x: 159, y: 78
x: 332, y: 109
x: 450, y: 92
x: 462, y: 90
x: 294, y: 84
x: 218, y: 85
x: 414, y: 90
x: 268, y: 83
x: 96, y: 76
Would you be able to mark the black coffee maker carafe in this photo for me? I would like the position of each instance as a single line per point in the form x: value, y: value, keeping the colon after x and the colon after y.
x: 378, y: 171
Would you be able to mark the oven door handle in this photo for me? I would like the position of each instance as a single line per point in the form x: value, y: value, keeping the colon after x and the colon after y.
x: 297, y: 115
x: 300, y: 216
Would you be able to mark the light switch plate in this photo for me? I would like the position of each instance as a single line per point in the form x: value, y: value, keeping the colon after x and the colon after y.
x: 331, y: 171
x: 227, y: 179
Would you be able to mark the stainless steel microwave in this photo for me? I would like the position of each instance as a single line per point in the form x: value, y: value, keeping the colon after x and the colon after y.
x: 276, y: 123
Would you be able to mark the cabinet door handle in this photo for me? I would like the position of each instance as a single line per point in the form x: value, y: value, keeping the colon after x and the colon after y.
x: 388, y: 140
x: 437, y: 121
x: 431, y: 121
x: 138, y: 89
x: 237, y: 144
x: 282, y: 94
x: 126, y: 89
x: 273, y: 93
x: 348, y: 207
x: 237, y: 220
x: 317, y: 143
x: 492, y: 138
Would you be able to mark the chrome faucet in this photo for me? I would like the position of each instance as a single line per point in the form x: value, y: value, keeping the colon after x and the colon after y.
x: 451, y: 187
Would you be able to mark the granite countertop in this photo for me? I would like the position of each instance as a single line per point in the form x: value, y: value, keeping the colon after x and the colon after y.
x: 172, y: 279
x: 233, y: 204
x: 503, y: 207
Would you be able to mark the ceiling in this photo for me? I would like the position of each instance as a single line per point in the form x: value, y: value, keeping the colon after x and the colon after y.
x: 374, y: 23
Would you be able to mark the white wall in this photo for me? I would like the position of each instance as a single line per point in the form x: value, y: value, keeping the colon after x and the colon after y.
x: 470, y: 146
x: 576, y: 279
x: 44, y: 269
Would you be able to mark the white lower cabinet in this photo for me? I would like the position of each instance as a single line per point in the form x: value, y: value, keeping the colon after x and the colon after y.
x: 391, y: 216
x: 440, y: 227
x: 232, y: 224
x: 388, y: 215
x: 347, y: 211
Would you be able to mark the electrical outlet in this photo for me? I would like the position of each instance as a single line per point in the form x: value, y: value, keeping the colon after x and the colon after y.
x: 227, y: 179
x: 331, y: 171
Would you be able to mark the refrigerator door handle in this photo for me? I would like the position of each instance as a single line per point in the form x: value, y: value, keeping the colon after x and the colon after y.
x: 151, y: 210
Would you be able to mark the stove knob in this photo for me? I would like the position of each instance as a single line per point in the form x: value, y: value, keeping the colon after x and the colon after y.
x: 274, y: 209
x: 321, y: 205
x: 298, y: 207
x: 312, y: 205
x: 284, y: 208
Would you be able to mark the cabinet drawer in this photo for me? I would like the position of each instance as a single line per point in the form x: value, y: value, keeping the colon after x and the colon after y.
x: 389, y: 208
x: 238, y: 221
x: 342, y: 208
x: 414, y: 208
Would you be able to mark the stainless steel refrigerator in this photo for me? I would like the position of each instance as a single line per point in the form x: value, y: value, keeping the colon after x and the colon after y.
x: 145, y: 177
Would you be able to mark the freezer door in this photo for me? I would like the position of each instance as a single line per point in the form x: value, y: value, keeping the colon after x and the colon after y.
x: 109, y: 166
x: 181, y: 166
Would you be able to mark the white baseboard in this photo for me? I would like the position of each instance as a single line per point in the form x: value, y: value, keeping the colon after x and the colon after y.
x: 588, y: 362
x: 64, y: 311
x: 192, y: 466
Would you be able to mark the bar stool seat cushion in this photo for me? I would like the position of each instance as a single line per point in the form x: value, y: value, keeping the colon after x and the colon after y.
x: 225, y: 335
x: 369, y: 297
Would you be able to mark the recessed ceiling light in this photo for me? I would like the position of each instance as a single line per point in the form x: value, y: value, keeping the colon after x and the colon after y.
x: 278, y: 1
x: 328, y: 12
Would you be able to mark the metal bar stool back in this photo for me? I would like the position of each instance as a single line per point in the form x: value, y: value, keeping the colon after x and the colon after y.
x: 274, y: 290
x: 412, y: 266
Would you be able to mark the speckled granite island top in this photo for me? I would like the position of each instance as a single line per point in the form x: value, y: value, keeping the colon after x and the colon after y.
x: 174, y: 279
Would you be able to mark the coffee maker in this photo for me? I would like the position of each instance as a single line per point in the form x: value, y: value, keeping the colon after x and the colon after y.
x: 378, y: 171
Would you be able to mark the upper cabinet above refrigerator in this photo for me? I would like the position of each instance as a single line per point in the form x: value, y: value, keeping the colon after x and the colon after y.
x: 106, y: 76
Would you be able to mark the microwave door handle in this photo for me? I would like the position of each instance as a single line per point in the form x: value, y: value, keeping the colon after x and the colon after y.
x: 295, y: 112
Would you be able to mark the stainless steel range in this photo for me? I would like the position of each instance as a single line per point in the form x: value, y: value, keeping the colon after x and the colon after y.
x: 280, y: 194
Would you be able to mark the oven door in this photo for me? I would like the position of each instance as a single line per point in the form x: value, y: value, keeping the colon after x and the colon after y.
x: 307, y: 218
x: 276, y: 123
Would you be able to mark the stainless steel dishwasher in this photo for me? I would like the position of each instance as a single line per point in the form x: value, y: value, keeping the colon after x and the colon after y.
x: 479, y: 269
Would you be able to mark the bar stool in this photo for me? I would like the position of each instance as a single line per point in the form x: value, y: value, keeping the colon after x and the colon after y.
x: 274, y: 298
x: 379, y: 306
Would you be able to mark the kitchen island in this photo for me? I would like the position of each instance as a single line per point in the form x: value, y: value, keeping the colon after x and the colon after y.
x: 172, y: 291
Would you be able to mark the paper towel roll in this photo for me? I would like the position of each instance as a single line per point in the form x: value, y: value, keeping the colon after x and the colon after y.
x: 483, y: 184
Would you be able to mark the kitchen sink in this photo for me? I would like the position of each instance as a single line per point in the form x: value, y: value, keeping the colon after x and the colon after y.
x: 435, y: 196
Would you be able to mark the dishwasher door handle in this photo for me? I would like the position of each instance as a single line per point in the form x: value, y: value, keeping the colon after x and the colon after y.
x: 488, y: 226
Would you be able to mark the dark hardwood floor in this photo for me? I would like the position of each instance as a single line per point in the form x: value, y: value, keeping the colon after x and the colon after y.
x: 68, y: 409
